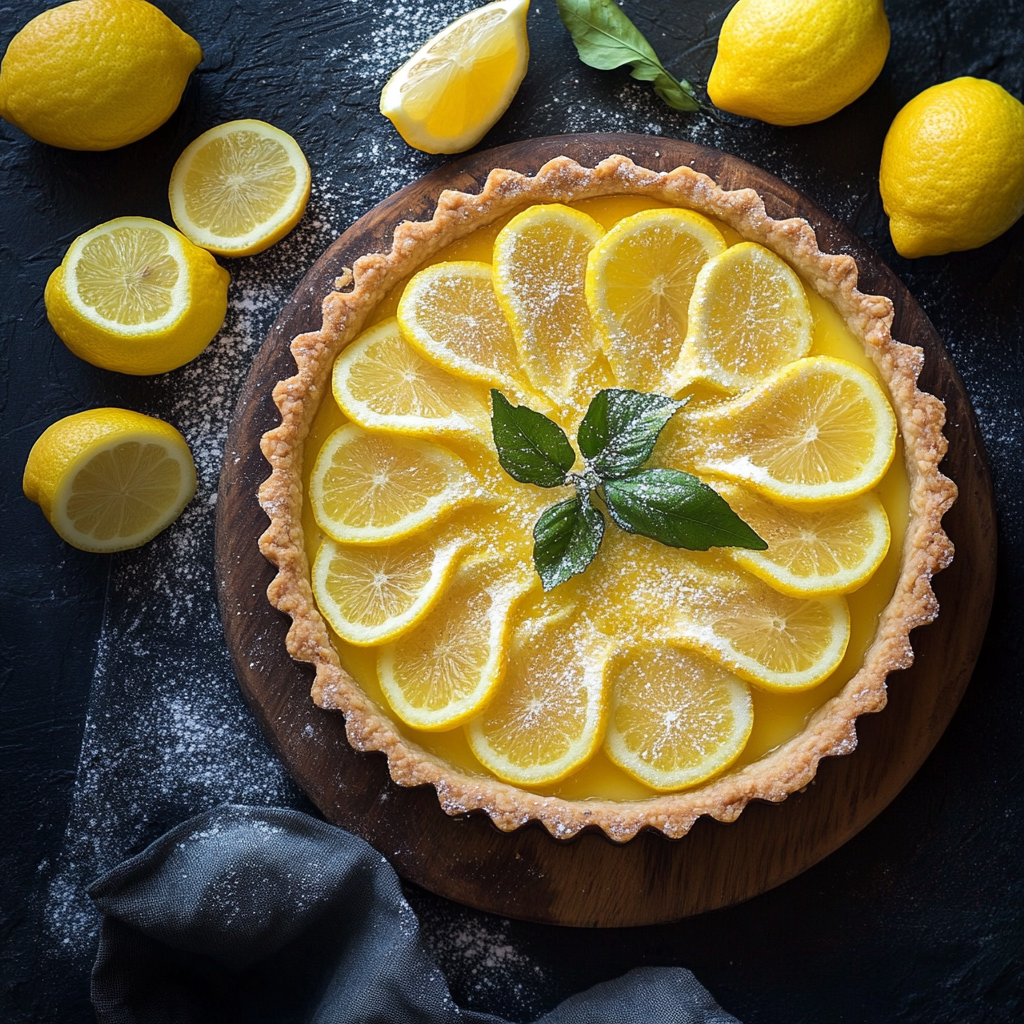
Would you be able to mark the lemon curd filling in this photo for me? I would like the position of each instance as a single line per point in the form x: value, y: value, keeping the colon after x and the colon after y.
x: 777, y: 716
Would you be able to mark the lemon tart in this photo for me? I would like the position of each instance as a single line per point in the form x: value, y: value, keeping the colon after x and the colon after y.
x: 658, y: 684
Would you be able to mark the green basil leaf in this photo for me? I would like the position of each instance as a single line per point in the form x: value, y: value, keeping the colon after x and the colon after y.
x: 677, y: 509
x: 605, y: 38
x: 620, y: 429
x: 565, y: 540
x: 531, y: 448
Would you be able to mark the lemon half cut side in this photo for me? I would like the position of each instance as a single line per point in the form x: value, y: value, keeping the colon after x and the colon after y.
x: 136, y: 296
x: 239, y: 188
x: 449, y: 93
x: 110, y: 479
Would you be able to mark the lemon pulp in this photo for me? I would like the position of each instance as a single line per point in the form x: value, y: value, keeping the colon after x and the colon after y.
x: 777, y: 716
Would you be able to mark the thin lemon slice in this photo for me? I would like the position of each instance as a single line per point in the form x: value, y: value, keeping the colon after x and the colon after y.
x: 748, y: 317
x: 447, y: 667
x: 136, y: 296
x: 239, y: 188
x: 540, y: 265
x: 640, y: 277
x: 676, y: 718
x: 450, y: 92
x: 369, y: 488
x: 547, y: 718
x: 701, y: 601
x: 370, y: 595
x: 449, y: 312
x: 110, y: 479
x: 818, y: 430
x: 830, y: 550
x: 380, y: 381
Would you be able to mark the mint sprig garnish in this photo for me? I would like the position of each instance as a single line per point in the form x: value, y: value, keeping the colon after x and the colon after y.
x: 616, y: 437
x: 605, y: 38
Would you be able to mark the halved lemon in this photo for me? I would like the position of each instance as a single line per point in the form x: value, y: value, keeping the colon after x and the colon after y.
x: 446, y: 668
x: 819, y: 429
x: 540, y: 267
x: 676, y: 718
x: 812, y: 550
x: 640, y: 277
x: 447, y: 95
x: 371, y: 594
x: 239, y: 188
x: 110, y: 479
x: 136, y: 296
x: 449, y: 312
x: 548, y: 717
x: 748, y: 317
x: 369, y: 488
x: 380, y: 381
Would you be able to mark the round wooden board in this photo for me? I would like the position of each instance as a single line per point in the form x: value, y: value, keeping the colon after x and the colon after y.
x: 590, y: 881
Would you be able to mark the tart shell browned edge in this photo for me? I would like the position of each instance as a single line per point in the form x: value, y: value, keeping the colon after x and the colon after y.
x: 831, y: 730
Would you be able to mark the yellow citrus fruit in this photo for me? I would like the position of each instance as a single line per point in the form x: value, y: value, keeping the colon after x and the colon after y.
x: 797, y: 61
x: 447, y: 95
x: 371, y: 594
x: 370, y: 488
x: 832, y: 549
x: 700, y: 601
x: 136, y: 296
x: 93, y: 74
x: 818, y: 430
x: 540, y: 267
x: 952, y: 174
x: 450, y: 313
x: 640, y: 277
x: 548, y: 717
x: 676, y: 718
x: 110, y: 479
x: 239, y: 188
x: 446, y: 668
x: 380, y: 381
x: 748, y: 317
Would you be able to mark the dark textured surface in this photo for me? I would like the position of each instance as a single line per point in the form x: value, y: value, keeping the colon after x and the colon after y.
x: 919, y: 918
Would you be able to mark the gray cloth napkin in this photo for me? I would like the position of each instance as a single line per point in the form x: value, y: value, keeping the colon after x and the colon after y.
x: 253, y: 914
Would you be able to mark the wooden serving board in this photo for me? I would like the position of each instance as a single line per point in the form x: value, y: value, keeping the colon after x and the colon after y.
x: 590, y: 881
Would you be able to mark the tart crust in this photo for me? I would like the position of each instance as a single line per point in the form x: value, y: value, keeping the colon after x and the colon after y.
x: 831, y: 730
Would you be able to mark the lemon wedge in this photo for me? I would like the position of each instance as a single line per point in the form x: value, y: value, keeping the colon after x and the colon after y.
x: 819, y: 429
x: 548, y: 717
x: 136, y: 296
x: 832, y: 549
x: 748, y: 317
x: 110, y: 479
x: 452, y: 90
x: 369, y: 488
x: 371, y: 594
x: 380, y: 381
x: 449, y: 312
x: 445, y: 669
x: 640, y: 277
x: 239, y: 188
x: 540, y: 266
x: 676, y: 718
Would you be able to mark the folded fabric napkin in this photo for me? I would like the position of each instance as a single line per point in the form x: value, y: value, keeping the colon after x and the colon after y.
x: 268, y: 915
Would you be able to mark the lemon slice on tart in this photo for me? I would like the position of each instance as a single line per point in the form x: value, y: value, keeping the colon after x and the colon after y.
x: 136, y: 296
x: 110, y: 479
x: 239, y: 188
x: 640, y: 278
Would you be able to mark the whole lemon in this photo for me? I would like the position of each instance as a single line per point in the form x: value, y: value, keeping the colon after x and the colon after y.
x: 136, y: 296
x: 95, y: 74
x: 797, y: 61
x: 952, y: 174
